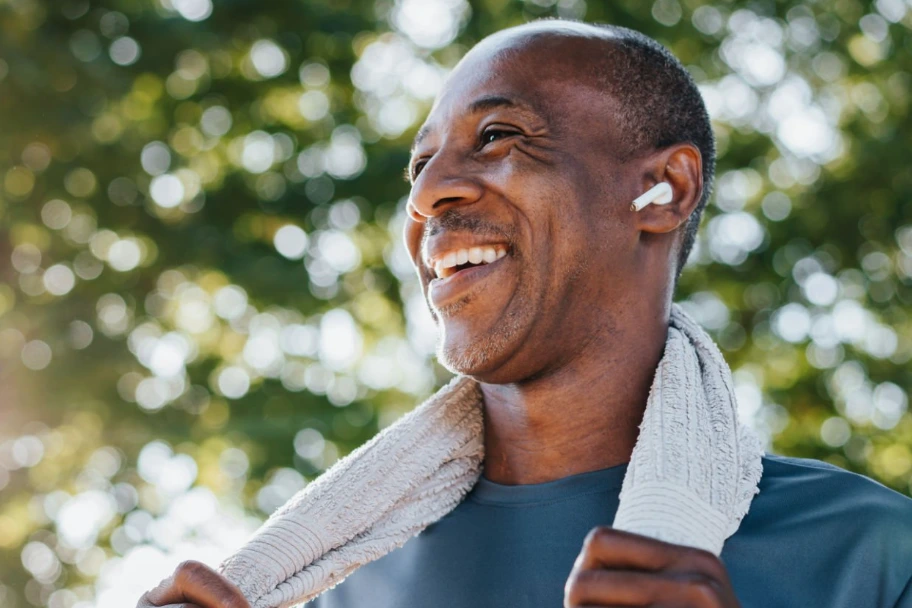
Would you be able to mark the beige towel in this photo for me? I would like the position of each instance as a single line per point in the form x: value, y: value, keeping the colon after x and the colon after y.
x: 691, y: 478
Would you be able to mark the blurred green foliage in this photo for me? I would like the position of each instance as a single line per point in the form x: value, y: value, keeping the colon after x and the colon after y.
x: 204, y: 300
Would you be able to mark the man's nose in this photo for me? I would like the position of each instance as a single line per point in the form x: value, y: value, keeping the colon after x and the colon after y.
x: 442, y: 185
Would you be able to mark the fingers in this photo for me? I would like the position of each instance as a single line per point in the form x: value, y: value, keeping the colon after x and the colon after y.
x: 606, y: 547
x: 626, y: 588
x: 618, y: 568
x: 194, y: 585
x: 599, y: 587
x: 145, y: 603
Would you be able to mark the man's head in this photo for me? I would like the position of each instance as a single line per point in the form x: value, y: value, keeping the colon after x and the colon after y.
x: 531, y: 155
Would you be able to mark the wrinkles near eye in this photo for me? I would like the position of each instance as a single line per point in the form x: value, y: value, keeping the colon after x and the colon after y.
x: 488, y: 136
x: 492, y: 135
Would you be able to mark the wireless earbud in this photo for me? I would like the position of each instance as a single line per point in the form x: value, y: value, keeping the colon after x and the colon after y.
x: 660, y: 194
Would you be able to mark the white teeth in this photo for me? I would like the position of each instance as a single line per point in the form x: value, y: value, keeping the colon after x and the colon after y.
x: 446, y: 265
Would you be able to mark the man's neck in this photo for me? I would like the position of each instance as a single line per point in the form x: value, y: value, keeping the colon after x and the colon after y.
x: 583, y: 417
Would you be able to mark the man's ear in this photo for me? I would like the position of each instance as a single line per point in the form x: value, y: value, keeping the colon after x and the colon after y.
x: 681, y: 166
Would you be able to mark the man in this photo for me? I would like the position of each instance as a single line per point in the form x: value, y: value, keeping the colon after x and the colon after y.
x: 540, y: 140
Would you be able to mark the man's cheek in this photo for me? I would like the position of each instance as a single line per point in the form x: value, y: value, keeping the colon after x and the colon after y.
x: 411, y: 234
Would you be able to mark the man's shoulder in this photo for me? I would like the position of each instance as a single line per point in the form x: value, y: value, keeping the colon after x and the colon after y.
x: 813, y: 490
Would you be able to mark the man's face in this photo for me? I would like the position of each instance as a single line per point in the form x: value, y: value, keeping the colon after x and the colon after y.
x: 519, y: 211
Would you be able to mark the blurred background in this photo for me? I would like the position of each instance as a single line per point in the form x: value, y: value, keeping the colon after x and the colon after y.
x: 204, y: 298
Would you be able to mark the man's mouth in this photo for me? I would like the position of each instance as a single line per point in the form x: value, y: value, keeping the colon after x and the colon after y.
x: 455, y: 260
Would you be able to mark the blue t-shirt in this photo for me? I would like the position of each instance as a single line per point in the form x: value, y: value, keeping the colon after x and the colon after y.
x: 816, y: 536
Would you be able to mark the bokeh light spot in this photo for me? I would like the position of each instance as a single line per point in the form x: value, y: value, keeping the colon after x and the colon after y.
x: 167, y: 191
x: 36, y: 355
x: 290, y: 241
x: 216, y: 121
x: 268, y: 58
x: 193, y: 10
x: 233, y: 382
x: 59, y: 279
x: 155, y: 158
x: 124, y: 51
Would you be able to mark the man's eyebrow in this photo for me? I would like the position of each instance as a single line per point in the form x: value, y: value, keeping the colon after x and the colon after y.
x: 491, y: 102
x: 420, y: 135
x: 485, y: 103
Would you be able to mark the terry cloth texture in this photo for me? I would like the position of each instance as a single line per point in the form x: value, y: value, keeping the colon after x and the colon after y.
x: 691, y: 478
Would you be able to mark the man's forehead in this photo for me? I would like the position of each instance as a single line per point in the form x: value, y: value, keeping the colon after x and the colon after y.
x: 542, y: 32
x: 531, y: 68
x: 501, y: 89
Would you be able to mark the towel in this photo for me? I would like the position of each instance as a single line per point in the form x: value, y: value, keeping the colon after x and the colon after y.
x: 692, y: 475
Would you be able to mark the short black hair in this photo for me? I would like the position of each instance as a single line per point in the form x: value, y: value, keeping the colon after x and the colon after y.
x: 661, y: 104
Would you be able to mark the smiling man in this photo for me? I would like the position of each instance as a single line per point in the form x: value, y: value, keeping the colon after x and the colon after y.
x: 554, y: 296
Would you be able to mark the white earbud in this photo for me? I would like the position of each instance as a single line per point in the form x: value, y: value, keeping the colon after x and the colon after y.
x: 660, y: 194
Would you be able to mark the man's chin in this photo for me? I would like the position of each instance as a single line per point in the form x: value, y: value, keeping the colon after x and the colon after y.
x: 465, y: 360
x: 480, y: 336
x: 480, y: 355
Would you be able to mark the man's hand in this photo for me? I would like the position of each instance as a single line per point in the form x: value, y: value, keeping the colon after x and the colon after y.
x: 194, y: 585
x: 622, y: 569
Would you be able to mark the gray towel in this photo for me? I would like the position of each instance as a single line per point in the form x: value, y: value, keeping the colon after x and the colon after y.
x: 691, y: 478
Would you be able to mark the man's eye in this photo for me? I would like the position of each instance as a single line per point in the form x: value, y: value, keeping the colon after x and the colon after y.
x: 492, y: 135
x: 416, y: 169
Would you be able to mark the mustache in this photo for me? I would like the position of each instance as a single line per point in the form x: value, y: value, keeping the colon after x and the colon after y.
x: 453, y: 220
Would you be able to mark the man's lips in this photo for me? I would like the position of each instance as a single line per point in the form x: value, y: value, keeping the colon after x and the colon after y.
x: 442, y: 291
x: 450, y: 249
x: 455, y: 260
